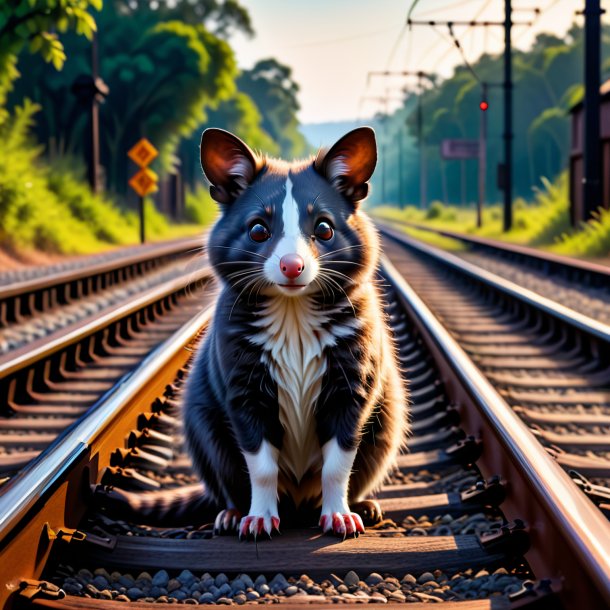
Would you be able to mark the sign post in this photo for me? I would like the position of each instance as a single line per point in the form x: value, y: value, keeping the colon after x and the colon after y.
x: 144, y: 181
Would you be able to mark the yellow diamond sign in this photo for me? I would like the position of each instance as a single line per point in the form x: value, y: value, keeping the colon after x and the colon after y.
x: 144, y: 182
x: 142, y: 153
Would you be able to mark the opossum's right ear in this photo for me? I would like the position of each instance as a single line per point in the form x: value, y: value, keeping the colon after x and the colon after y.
x: 228, y: 163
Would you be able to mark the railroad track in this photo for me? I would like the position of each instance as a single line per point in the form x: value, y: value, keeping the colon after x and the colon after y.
x: 477, y: 515
x: 549, y: 363
x: 77, y: 332
x: 581, y: 285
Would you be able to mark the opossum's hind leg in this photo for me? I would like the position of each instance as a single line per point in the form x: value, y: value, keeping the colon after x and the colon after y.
x: 383, y: 436
x: 188, y: 505
x: 227, y: 521
x: 369, y: 510
x: 214, y: 452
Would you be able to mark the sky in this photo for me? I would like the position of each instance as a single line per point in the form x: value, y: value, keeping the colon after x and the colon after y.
x: 331, y: 45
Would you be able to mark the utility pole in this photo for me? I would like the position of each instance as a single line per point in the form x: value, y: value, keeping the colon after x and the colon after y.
x: 482, y: 153
x: 94, y: 172
x: 508, y: 120
x: 423, y: 196
x: 91, y: 90
x: 591, y: 181
x: 401, y: 170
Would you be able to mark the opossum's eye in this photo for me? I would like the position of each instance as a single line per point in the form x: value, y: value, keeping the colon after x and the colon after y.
x: 324, y: 230
x: 259, y: 232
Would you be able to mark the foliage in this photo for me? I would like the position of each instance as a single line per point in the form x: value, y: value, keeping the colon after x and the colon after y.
x: 200, y: 208
x: 592, y: 238
x: 34, y: 24
x: 543, y: 223
x: 271, y: 86
x: 52, y: 208
x: 162, y: 76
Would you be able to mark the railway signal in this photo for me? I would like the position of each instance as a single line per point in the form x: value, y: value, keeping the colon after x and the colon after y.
x: 483, y: 105
x: 145, y: 181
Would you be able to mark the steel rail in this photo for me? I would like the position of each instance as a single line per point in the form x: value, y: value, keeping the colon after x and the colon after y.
x: 80, y: 451
x: 27, y: 356
x: 593, y: 328
x: 64, y: 277
x: 572, y: 516
x: 557, y: 261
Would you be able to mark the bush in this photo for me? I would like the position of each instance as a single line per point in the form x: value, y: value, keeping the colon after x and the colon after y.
x: 199, y: 207
x: 435, y: 211
x: 51, y: 208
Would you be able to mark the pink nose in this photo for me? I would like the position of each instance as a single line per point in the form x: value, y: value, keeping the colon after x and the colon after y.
x: 292, y: 265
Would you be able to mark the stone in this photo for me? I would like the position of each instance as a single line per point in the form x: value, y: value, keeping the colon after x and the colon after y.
x: 224, y: 600
x: 225, y: 590
x: 252, y: 596
x: 240, y: 599
x: 246, y: 580
x: 377, y: 598
x: 85, y: 574
x: 351, y: 579
x: 260, y: 580
x: 425, y: 577
x: 263, y: 588
x: 134, y: 593
x: 278, y: 583
x: 173, y: 585
x: 121, y: 598
x: 186, y: 577
x: 238, y: 585
x: 291, y: 590
x: 160, y: 579
x: 373, y: 579
x: 206, y: 598
x: 126, y: 580
x: 409, y: 579
x: 101, y: 582
x: 221, y: 579
x: 342, y: 589
x: 335, y: 580
x: 178, y: 594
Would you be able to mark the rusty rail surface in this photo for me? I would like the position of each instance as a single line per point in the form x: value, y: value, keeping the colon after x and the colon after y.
x: 588, y: 272
x: 23, y: 299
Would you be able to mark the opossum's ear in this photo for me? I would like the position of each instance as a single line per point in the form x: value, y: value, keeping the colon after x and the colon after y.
x: 228, y: 164
x: 350, y: 163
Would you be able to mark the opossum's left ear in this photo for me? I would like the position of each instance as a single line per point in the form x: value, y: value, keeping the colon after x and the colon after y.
x: 350, y: 163
x: 228, y: 163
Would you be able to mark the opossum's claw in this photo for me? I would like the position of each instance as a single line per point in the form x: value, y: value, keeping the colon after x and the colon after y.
x: 226, y: 521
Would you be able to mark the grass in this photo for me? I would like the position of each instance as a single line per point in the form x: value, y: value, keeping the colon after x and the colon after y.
x: 544, y: 222
x: 51, y: 209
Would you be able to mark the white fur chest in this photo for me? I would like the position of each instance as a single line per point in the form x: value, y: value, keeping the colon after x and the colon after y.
x: 293, y: 343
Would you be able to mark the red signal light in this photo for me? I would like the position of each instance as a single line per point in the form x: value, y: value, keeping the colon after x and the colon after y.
x: 483, y: 106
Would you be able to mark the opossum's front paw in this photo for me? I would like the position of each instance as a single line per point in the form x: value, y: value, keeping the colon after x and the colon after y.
x: 342, y: 524
x: 226, y: 521
x: 255, y: 525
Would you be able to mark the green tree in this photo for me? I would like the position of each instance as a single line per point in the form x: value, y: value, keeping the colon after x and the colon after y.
x: 34, y: 24
x: 270, y: 84
x: 162, y: 77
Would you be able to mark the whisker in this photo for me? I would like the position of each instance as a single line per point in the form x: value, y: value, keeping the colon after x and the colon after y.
x: 341, y: 250
x: 241, y: 250
x: 330, y: 279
